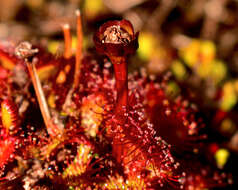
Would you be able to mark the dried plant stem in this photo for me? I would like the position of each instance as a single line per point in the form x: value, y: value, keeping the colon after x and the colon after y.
x: 79, y: 50
x: 67, y: 41
x: 40, y: 97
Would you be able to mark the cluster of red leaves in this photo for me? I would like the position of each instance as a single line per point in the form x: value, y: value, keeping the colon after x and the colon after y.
x: 110, y: 155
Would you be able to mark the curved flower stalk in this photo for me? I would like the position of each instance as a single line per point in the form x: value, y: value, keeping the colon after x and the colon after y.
x: 117, y: 40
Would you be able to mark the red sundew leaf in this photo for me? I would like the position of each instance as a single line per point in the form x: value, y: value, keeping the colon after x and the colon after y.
x: 9, y: 115
x: 7, y: 148
x: 3, y: 73
x: 169, y: 116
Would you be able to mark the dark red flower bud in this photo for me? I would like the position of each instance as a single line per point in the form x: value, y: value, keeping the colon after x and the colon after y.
x: 116, y: 39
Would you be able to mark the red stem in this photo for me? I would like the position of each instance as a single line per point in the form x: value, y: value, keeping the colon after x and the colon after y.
x: 121, y: 76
